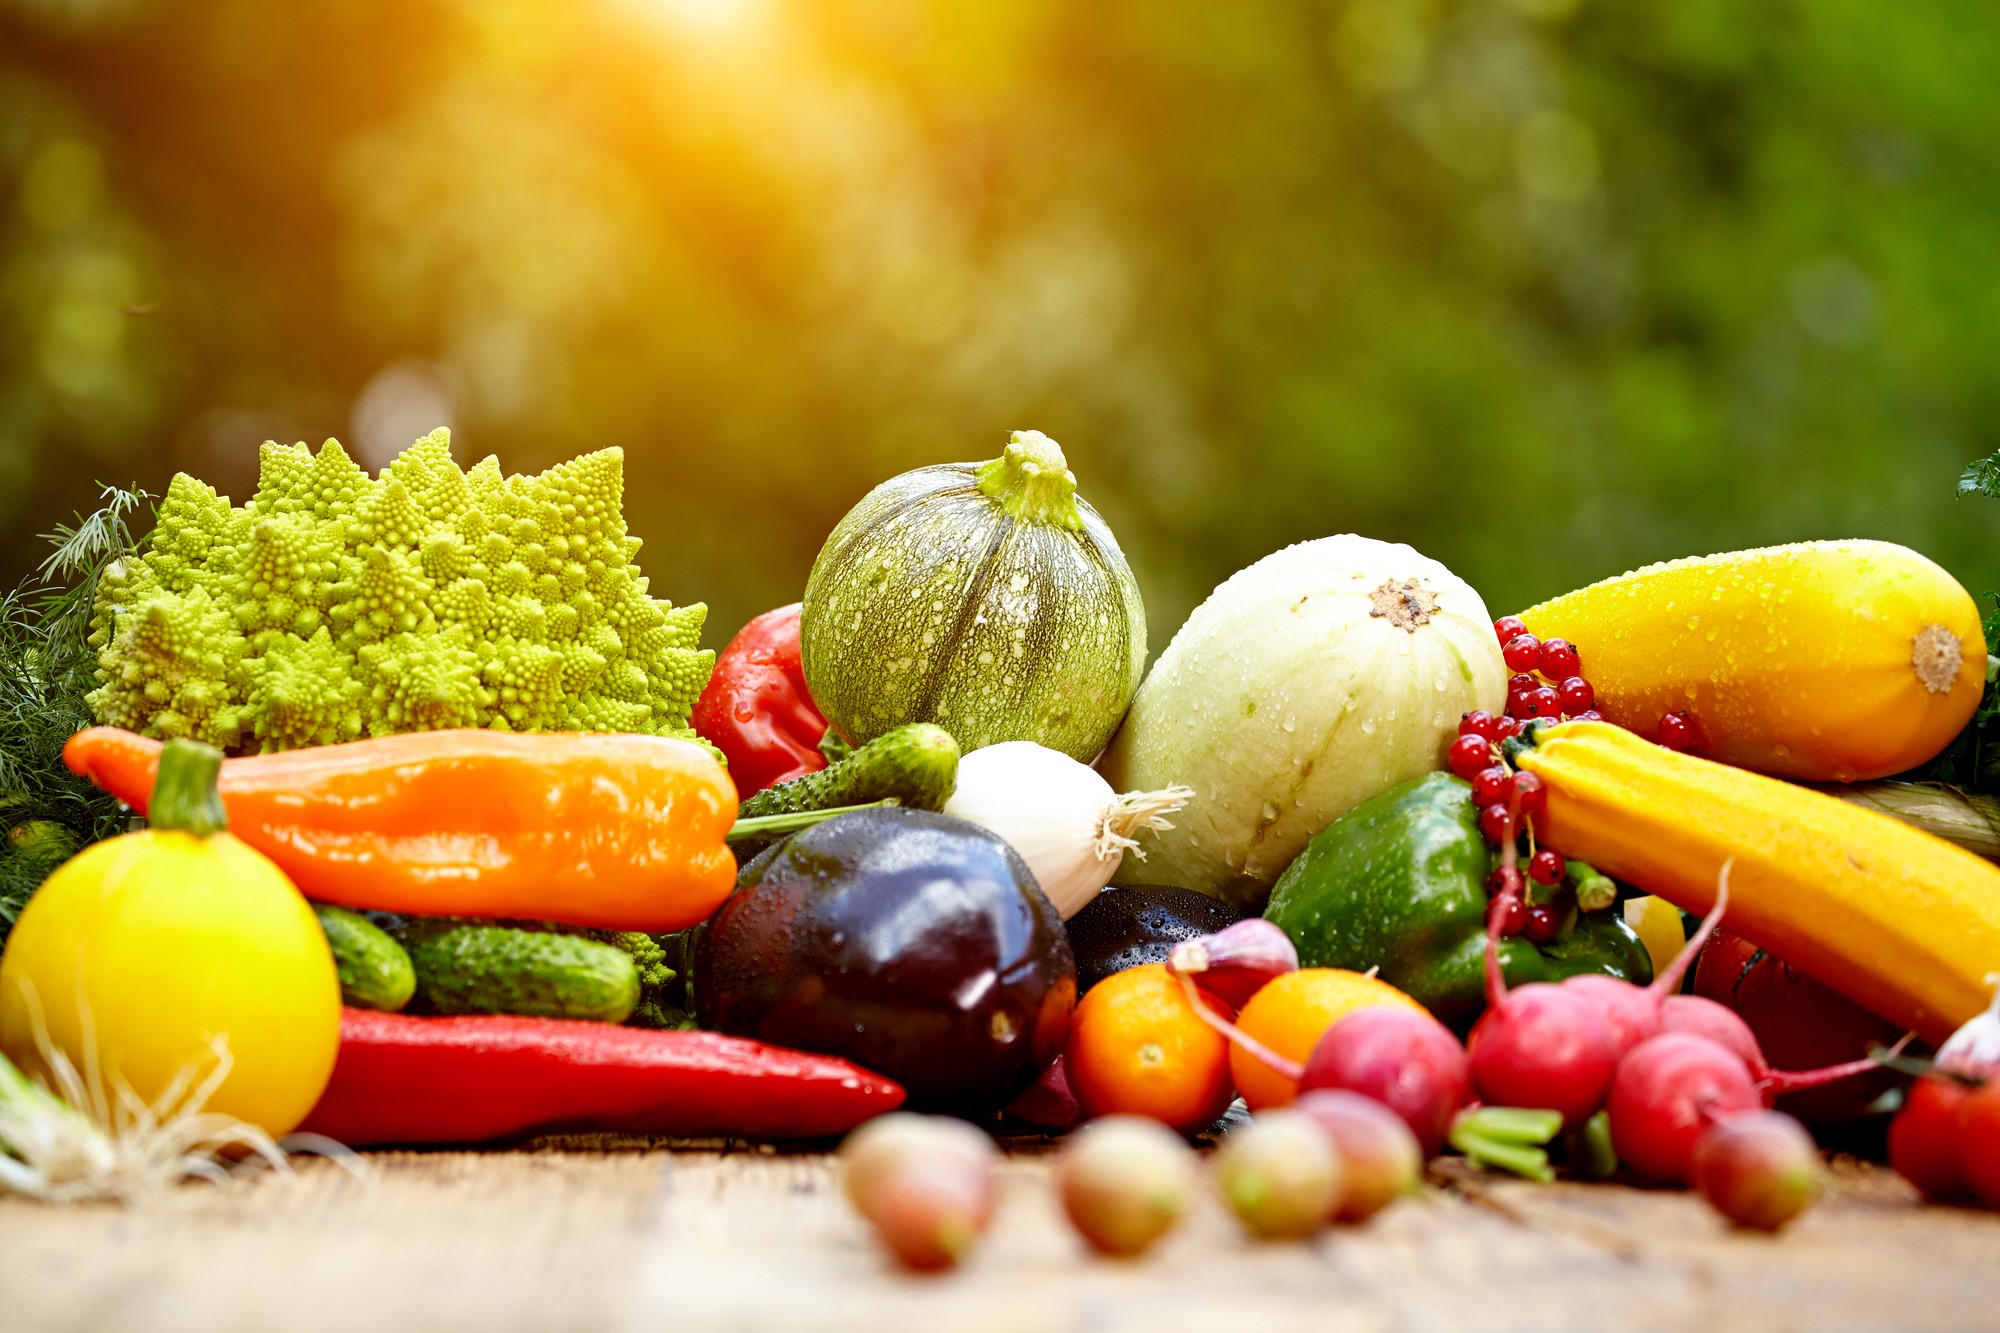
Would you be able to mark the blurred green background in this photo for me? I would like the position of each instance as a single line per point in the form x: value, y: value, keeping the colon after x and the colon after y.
x: 1546, y: 288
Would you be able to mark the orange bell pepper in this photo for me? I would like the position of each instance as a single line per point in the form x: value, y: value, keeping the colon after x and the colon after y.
x: 611, y: 830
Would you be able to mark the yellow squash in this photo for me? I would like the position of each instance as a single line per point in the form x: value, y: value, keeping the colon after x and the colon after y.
x: 1898, y: 921
x: 141, y: 951
x: 1822, y: 661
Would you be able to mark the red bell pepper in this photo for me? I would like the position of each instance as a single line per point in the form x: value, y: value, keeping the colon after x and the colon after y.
x: 465, y: 1079
x: 756, y: 708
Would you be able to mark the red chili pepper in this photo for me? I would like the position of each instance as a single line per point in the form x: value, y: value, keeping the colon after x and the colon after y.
x: 404, y: 1079
x: 756, y: 708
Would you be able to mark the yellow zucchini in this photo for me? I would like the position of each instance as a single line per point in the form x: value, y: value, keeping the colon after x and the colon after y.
x: 1900, y: 922
x: 1821, y: 661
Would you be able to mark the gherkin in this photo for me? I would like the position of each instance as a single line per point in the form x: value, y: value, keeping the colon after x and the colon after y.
x: 334, y: 606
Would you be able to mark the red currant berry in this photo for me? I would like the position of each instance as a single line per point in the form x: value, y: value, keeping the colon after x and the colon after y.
x: 1478, y: 722
x: 1513, y: 911
x: 1503, y: 727
x: 1504, y: 880
x: 1468, y: 755
x: 1559, y: 659
x: 1547, y: 866
x: 1589, y: 715
x: 1541, y: 925
x: 1495, y: 823
x: 1523, y: 652
x: 1677, y: 732
x: 1577, y: 696
x: 1534, y: 796
x: 1490, y: 786
x: 1509, y: 627
x: 1544, y: 702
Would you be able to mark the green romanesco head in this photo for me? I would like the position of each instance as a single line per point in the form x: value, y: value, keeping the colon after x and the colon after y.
x: 661, y: 1003
x: 333, y: 606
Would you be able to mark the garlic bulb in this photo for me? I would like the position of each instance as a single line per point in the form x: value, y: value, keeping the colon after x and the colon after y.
x: 1060, y: 815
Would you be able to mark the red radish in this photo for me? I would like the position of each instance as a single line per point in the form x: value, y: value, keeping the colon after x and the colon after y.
x: 1539, y: 1045
x: 1406, y: 1060
x: 1634, y: 1013
x: 1923, y: 1138
x: 1758, y: 1169
x: 1557, y: 1046
x: 1718, y: 1022
x: 1978, y: 1137
x: 1667, y: 1089
x: 1725, y: 1027
x: 1542, y: 1046
x: 1379, y: 1154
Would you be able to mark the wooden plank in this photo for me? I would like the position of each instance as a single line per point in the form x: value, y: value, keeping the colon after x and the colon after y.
x: 645, y: 1238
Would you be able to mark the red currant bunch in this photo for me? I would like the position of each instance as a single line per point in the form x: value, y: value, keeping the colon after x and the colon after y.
x: 1548, y: 677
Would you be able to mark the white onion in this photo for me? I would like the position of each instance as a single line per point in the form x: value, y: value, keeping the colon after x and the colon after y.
x: 1060, y: 815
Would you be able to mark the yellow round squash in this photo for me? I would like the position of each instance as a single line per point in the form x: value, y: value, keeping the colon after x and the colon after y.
x: 140, y: 951
x: 1830, y: 661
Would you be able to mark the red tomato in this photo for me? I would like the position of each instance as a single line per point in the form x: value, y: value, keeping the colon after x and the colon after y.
x: 1923, y: 1138
x: 1979, y: 1141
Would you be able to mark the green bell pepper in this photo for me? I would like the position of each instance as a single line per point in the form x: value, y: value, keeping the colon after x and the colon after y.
x: 1399, y: 884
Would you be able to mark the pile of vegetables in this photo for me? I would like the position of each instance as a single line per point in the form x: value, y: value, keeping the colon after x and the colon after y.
x: 495, y: 851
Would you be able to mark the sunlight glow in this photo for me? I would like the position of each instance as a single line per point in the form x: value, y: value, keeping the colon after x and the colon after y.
x: 711, y: 17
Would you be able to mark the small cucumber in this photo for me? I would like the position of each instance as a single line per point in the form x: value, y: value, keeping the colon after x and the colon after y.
x: 375, y: 971
x: 465, y: 968
x: 915, y: 766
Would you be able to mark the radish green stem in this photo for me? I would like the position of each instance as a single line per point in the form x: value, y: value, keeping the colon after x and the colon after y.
x: 1515, y: 1124
x: 1592, y: 1151
x: 1505, y: 1137
x: 1793, y: 1081
x: 1669, y: 981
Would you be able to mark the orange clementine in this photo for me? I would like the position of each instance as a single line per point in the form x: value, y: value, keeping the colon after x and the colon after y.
x: 1290, y: 1014
x: 1137, y: 1047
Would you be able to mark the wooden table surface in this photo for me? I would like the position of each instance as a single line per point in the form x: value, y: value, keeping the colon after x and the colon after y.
x: 578, y: 1234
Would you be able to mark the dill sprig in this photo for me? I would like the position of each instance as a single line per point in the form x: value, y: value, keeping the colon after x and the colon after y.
x: 46, y: 667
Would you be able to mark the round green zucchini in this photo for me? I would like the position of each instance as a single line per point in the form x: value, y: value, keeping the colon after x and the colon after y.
x: 984, y: 597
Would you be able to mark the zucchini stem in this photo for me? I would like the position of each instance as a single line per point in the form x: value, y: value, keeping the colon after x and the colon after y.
x: 1031, y: 481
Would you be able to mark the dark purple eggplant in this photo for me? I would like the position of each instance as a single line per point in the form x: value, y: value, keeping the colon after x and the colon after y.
x: 1122, y: 928
x: 912, y: 943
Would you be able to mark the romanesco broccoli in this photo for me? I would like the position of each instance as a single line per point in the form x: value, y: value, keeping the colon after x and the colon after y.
x: 661, y: 1003
x: 334, y: 606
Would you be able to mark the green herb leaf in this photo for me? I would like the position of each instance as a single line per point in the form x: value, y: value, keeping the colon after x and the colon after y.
x: 1983, y: 477
x: 47, y: 664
